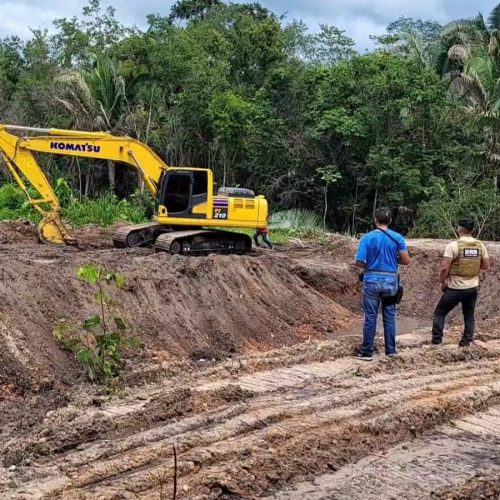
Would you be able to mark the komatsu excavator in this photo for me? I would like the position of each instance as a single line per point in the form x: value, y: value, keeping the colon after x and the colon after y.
x: 186, y: 205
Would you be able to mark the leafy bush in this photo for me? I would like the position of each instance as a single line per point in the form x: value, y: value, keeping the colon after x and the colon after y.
x: 144, y: 202
x: 295, y: 223
x: 295, y: 218
x: 102, y: 211
x: 99, y: 343
x: 11, y: 197
x: 439, y: 216
x: 14, y: 205
x: 64, y: 192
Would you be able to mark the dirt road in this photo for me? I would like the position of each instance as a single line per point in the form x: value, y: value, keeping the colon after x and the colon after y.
x: 282, y: 411
x: 248, y: 427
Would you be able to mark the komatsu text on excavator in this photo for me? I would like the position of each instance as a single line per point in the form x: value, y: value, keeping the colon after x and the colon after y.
x: 186, y: 205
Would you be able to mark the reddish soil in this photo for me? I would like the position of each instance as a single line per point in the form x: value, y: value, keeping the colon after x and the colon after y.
x: 245, y: 366
x: 197, y: 308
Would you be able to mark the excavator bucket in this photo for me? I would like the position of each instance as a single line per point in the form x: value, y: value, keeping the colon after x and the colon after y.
x: 52, y: 230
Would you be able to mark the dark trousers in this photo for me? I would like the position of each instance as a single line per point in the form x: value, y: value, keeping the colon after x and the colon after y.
x: 265, y: 239
x: 450, y: 299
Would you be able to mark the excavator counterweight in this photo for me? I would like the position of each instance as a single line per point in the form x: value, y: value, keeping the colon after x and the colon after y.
x: 189, y: 219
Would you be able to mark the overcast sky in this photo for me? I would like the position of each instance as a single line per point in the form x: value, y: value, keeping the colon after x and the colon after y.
x: 360, y: 18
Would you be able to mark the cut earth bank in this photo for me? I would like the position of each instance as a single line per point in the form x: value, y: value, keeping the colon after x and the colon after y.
x: 244, y: 365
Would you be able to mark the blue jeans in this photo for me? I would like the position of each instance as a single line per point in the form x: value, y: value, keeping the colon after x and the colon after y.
x: 374, y: 288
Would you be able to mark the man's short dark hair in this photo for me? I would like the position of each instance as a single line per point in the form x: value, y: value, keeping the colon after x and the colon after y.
x: 383, y: 215
x: 467, y: 224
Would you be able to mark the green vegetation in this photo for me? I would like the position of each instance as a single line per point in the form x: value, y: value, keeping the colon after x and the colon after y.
x: 299, y: 117
x: 103, y: 211
x: 295, y: 223
x: 99, y: 343
x: 13, y: 204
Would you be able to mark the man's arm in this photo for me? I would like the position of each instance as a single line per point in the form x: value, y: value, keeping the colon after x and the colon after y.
x: 404, y: 258
x: 361, y: 254
x: 445, y: 269
x: 485, y: 260
x: 450, y: 254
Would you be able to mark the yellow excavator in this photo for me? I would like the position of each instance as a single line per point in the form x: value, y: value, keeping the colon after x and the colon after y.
x: 188, y: 213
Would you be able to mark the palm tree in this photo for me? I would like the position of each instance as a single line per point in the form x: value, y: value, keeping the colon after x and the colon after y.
x: 470, y: 58
x: 461, y: 39
x: 99, y: 98
x: 417, y: 47
x: 477, y: 88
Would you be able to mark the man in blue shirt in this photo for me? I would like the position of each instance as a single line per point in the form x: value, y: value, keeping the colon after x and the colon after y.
x: 379, y: 253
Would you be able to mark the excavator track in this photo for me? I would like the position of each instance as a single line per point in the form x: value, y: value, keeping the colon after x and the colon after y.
x: 203, y: 242
x: 138, y: 235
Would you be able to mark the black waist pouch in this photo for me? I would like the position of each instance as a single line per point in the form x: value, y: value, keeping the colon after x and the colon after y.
x: 394, y: 299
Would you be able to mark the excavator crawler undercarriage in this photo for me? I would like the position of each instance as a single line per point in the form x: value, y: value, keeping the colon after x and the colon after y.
x: 184, y: 242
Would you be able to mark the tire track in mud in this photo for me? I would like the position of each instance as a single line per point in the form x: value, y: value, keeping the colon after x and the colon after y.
x: 443, y: 461
x: 253, y: 431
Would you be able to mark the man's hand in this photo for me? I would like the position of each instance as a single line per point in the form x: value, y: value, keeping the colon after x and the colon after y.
x: 445, y: 270
x: 444, y: 286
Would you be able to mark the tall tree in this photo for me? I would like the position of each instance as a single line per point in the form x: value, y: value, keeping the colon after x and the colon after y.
x: 99, y: 98
x: 186, y: 10
x: 471, y: 55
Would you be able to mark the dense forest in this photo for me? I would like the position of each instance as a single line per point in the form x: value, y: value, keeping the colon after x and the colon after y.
x: 296, y: 115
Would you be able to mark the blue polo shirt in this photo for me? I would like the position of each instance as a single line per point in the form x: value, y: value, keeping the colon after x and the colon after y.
x: 379, y: 252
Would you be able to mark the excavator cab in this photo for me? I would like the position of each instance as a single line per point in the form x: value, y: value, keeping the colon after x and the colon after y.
x: 182, y: 192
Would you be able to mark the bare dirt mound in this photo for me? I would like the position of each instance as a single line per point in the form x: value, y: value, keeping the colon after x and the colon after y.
x: 13, y: 232
x: 235, y: 372
x: 329, y: 269
x: 195, y: 308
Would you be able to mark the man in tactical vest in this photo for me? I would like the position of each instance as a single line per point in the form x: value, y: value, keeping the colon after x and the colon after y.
x: 459, y: 277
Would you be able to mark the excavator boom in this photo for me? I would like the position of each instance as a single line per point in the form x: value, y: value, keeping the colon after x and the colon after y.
x: 189, y: 214
x: 17, y: 153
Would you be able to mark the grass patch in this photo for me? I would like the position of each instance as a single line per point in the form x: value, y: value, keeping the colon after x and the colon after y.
x: 103, y: 211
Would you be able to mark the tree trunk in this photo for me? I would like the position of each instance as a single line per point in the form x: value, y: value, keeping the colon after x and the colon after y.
x: 375, y: 200
x: 142, y: 184
x: 355, y: 206
x: 87, y: 184
x: 111, y: 175
x: 326, y: 207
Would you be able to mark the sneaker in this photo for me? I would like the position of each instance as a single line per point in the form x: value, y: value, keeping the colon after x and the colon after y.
x: 364, y: 357
x: 464, y: 343
x: 392, y: 355
x: 436, y: 342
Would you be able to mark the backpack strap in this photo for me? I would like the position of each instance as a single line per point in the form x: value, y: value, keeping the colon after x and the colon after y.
x: 392, y: 238
x: 397, y: 254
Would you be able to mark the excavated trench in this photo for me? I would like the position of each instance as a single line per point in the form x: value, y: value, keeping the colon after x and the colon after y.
x: 246, y: 368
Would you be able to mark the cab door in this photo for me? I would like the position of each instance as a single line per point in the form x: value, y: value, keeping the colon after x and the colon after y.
x: 184, y: 194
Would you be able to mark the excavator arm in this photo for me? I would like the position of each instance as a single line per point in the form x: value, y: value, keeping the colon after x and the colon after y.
x: 17, y: 153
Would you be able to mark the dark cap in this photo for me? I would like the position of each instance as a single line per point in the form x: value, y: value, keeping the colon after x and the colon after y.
x: 468, y: 224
